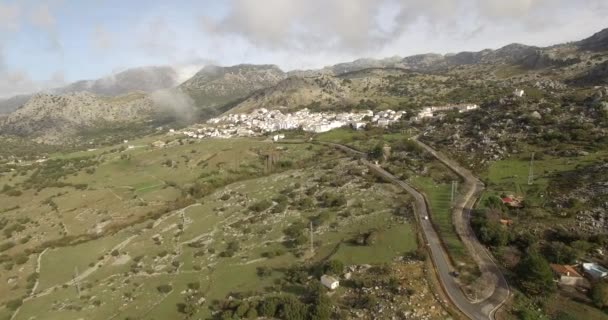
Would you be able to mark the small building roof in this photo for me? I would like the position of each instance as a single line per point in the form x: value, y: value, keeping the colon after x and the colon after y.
x: 565, y: 270
x: 595, y: 270
x: 328, y: 278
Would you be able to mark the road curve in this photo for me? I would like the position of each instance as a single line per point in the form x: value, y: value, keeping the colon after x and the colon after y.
x: 491, y: 273
x: 481, y: 309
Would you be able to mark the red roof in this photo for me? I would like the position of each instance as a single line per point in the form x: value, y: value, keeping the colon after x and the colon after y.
x: 565, y: 270
x: 506, y: 200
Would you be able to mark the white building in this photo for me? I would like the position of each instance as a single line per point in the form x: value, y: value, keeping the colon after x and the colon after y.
x: 518, y: 93
x: 595, y: 271
x: 330, y: 282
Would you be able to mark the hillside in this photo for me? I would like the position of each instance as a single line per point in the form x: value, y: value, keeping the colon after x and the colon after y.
x: 145, y: 79
x: 213, y: 87
x: 408, y: 83
x: 11, y: 104
x: 50, y: 118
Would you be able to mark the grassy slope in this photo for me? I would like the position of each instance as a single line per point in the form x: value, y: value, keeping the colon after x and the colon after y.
x: 114, y: 187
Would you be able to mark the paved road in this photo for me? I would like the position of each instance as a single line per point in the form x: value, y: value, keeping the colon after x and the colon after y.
x: 481, y: 309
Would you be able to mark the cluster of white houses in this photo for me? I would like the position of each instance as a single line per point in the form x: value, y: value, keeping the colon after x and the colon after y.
x: 262, y: 121
x: 430, y: 112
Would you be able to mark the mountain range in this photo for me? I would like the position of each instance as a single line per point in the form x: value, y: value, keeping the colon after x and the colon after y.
x: 137, y: 95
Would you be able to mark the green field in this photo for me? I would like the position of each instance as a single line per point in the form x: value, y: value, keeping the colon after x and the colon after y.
x: 152, y: 217
x: 510, y: 176
x: 438, y: 196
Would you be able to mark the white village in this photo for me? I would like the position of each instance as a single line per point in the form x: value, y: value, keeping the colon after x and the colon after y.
x: 264, y: 122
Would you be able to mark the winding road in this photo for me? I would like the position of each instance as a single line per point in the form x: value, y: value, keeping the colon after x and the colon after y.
x: 497, y: 293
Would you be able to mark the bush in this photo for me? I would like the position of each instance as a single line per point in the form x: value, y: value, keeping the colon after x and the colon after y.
x: 268, y: 308
x: 599, y: 294
x: 263, y: 271
x: 164, y: 288
x: 330, y: 199
x: 6, y: 245
x: 14, y: 304
x: 335, y: 267
x: 260, y: 206
x: 21, y: 259
x: 293, y: 309
x: 252, y: 313
x: 194, y: 285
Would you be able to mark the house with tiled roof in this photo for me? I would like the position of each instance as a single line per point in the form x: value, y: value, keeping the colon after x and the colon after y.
x: 568, y: 276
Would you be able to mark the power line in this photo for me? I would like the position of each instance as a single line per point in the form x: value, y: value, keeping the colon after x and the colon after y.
x: 531, y: 170
x: 312, y: 248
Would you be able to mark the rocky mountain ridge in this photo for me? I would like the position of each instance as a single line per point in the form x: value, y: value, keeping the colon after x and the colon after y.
x: 146, y: 79
x: 50, y: 118
x: 398, y: 83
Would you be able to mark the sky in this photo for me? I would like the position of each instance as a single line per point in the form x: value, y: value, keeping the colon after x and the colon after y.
x: 49, y: 43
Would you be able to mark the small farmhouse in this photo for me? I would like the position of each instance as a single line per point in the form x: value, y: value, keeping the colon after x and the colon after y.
x: 568, y: 276
x: 330, y: 282
x: 518, y: 93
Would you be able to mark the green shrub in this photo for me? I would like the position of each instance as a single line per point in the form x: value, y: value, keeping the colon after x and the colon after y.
x: 164, y: 288
x: 14, y: 304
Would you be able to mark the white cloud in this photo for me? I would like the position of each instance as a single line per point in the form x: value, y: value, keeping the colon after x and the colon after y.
x: 316, y: 33
x: 42, y: 18
x: 101, y: 38
x: 9, y: 16
x: 156, y: 37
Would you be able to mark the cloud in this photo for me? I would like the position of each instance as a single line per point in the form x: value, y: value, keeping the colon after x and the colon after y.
x: 42, y: 18
x: 18, y: 81
x: 174, y: 102
x: 304, y: 25
x: 10, y: 15
x: 101, y: 38
x: 361, y: 27
x: 157, y: 38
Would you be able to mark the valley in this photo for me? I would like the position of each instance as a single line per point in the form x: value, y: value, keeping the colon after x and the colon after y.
x: 468, y: 185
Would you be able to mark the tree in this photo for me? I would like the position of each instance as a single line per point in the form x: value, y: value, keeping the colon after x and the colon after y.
x: 321, y: 308
x: 293, y: 309
x: 535, y: 276
x: 559, y: 252
x: 493, y: 234
x: 268, y: 308
x: 252, y: 313
x: 377, y: 152
x: 599, y: 294
x: 334, y: 267
x: 242, y: 309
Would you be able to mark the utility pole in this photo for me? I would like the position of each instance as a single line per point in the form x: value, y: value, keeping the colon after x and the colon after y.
x: 531, y: 170
x: 76, y: 281
x: 312, y: 246
x: 454, y: 190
